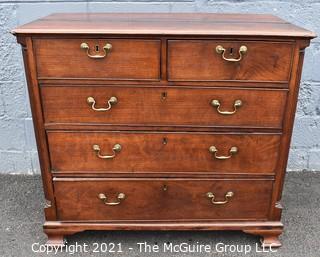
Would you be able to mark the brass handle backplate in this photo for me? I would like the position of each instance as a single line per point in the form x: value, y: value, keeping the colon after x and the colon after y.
x: 106, y: 50
x: 233, y: 150
x: 104, y: 199
x: 211, y: 196
x: 116, y: 149
x: 92, y: 102
x: 221, y: 50
x: 217, y: 104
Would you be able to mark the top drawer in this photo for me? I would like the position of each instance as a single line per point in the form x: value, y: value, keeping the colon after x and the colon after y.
x: 118, y: 59
x: 208, y: 60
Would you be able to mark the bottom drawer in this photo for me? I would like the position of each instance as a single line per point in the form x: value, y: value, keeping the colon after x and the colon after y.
x: 162, y: 199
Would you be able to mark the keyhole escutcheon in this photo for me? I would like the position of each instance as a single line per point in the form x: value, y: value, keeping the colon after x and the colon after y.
x: 164, y: 96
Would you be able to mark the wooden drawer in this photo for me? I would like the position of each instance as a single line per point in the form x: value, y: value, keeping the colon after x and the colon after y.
x: 161, y: 199
x: 150, y: 106
x: 128, y: 59
x: 198, y: 60
x: 162, y: 152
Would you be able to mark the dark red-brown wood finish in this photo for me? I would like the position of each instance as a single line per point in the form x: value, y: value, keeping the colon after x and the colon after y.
x: 140, y: 111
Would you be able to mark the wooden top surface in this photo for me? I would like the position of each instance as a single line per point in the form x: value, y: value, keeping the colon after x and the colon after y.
x: 164, y: 24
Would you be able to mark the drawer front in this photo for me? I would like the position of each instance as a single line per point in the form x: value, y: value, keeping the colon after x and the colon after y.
x: 162, y: 152
x: 164, y: 106
x: 162, y: 199
x: 126, y: 60
x: 199, y: 60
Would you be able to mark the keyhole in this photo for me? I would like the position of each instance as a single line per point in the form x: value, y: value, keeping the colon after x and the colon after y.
x: 164, y: 95
x: 165, y: 187
x: 97, y: 48
x: 164, y: 141
x: 231, y: 51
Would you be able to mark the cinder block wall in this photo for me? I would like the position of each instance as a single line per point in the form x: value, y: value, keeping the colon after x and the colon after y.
x: 18, y: 152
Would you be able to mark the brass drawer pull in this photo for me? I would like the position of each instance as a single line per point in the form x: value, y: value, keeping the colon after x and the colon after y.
x: 116, y: 149
x: 106, y: 50
x: 221, y: 50
x: 216, y: 103
x: 211, y: 196
x: 92, y: 102
x: 104, y: 199
x: 233, y: 150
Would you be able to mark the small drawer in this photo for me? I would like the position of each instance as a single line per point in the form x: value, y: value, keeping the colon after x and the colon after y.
x: 208, y: 60
x: 114, y: 59
x: 155, y: 152
x: 162, y: 199
x: 155, y: 106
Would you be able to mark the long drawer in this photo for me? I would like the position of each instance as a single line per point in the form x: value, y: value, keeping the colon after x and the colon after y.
x: 147, y: 152
x: 121, y: 59
x: 213, y: 60
x: 154, y: 106
x: 162, y: 199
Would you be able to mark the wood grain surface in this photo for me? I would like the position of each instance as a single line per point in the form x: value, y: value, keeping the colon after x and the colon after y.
x: 147, y: 199
x: 164, y: 106
x: 164, y: 70
x: 127, y: 60
x: 162, y: 152
x: 197, y: 60
x: 164, y: 24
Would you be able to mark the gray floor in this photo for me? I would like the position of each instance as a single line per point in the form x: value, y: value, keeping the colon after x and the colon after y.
x: 21, y: 218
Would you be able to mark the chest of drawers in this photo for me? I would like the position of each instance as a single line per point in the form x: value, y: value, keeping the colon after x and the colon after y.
x: 163, y: 121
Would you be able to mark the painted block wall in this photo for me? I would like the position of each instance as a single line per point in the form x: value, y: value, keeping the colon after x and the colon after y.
x: 18, y: 152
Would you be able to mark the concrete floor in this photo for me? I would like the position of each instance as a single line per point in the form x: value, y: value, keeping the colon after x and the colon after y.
x: 21, y: 219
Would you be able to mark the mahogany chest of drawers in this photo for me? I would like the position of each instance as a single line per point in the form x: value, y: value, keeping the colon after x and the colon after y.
x: 163, y: 121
